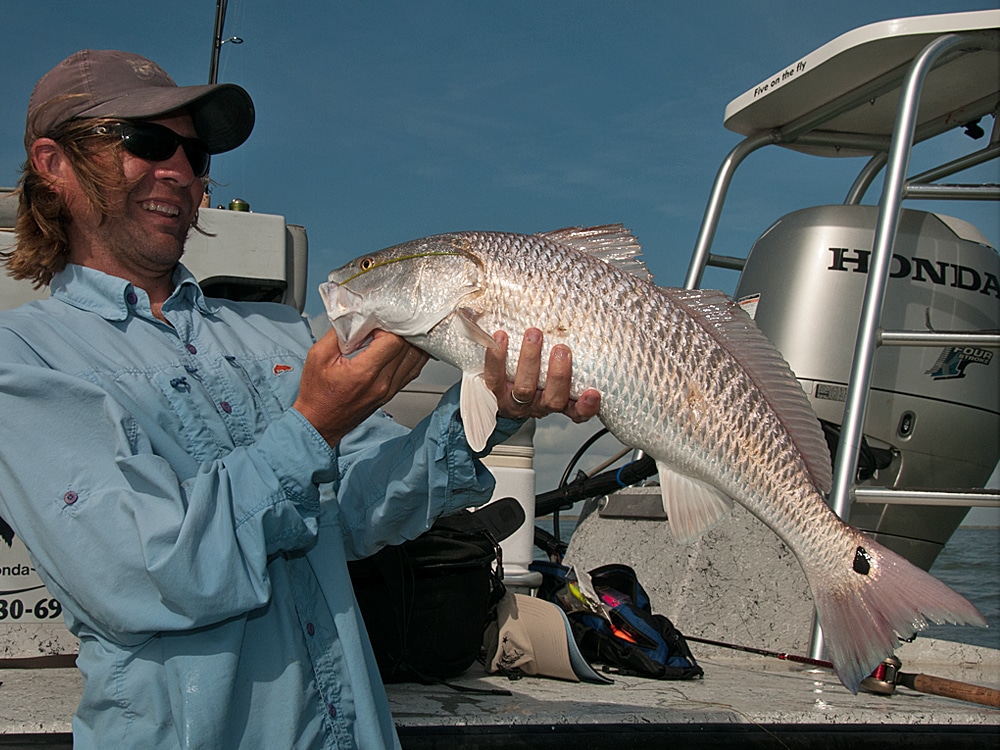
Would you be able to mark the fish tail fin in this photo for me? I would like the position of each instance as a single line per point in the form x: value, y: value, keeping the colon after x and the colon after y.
x: 876, y: 600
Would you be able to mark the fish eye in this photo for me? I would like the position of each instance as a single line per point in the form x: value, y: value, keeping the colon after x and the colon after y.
x: 366, y: 264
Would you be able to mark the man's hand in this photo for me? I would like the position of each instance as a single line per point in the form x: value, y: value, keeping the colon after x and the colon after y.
x: 338, y: 393
x: 521, y: 397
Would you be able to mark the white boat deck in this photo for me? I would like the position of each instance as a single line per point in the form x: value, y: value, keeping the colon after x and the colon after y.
x: 744, y: 699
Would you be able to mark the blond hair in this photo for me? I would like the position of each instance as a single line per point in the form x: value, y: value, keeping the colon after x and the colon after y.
x: 42, y: 243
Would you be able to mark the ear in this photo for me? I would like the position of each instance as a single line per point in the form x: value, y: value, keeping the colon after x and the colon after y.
x: 50, y: 161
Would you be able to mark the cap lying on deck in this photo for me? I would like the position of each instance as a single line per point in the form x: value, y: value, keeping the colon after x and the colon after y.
x: 534, y: 636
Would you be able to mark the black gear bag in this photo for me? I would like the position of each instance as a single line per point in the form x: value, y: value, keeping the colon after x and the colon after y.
x: 426, y: 602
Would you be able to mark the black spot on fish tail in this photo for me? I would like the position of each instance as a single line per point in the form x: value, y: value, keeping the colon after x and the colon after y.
x: 862, y: 561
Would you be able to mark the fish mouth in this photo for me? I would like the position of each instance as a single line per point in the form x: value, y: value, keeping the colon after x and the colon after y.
x: 344, y: 310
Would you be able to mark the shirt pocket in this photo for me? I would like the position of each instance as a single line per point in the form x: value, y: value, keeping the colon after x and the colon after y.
x: 272, y: 379
x: 191, y: 413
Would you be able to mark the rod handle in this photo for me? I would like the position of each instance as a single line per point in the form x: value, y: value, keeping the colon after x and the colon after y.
x: 962, y: 691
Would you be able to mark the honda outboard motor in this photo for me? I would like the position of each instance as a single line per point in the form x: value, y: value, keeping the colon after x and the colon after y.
x: 933, y: 417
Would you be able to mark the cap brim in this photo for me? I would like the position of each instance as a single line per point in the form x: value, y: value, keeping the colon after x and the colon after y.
x: 580, y: 665
x: 535, y: 636
x: 223, y: 114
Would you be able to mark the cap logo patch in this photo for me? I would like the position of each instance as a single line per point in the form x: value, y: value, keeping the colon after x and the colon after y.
x: 143, y: 69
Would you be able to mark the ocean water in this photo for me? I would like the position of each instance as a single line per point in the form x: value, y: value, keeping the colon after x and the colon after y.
x: 969, y: 563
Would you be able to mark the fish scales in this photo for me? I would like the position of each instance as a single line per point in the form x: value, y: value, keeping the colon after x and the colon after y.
x: 660, y: 382
x: 684, y: 375
x: 663, y: 399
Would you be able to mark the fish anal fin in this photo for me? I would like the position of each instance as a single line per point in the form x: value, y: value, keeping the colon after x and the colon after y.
x: 692, y: 506
x: 478, y: 405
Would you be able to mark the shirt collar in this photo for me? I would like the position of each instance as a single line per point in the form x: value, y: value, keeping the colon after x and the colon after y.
x: 113, y: 298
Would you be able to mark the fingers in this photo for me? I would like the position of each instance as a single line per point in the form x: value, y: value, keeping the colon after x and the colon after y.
x: 404, y: 369
x: 555, y: 396
x: 389, y: 363
x: 521, y: 397
x: 515, y: 398
x: 337, y: 393
x: 585, y: 407
x: 529, y: 368
x: 328, y: 345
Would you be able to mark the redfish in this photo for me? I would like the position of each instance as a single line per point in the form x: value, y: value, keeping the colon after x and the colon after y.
x: 684, y: 376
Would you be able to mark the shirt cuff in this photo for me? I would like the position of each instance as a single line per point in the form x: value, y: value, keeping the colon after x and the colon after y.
x: 299, y: 456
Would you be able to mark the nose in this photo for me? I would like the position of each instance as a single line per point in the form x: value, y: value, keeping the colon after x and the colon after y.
x: 176, y: 168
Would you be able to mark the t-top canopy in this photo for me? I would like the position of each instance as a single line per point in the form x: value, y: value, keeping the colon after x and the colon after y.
x: 851, y: 85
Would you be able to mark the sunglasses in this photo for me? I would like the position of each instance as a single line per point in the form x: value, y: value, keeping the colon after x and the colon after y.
x: 153, y: 142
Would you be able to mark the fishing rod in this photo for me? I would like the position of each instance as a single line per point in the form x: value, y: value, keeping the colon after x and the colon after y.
x: 764, y: 652
x: 586, y: 487
x: 218, y: 41
x: 583, y: 488
x: 886, y: 677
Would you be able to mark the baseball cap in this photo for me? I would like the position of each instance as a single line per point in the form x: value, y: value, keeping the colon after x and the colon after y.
x: 534, y: 636
x: 110, y: 83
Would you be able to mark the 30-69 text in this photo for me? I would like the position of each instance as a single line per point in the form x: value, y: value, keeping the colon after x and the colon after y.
x: 43, y: 609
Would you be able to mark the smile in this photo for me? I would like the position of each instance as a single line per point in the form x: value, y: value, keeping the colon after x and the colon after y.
x: 160, y: 208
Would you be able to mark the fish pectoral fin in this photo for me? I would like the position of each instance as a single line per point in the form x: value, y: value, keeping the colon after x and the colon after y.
x: 478, y: 405
x: 467, y: 322
x: 692, y: 506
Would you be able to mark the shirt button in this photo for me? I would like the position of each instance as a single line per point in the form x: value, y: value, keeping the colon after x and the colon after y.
x: 310, y: 628
x: 332, y: 710
x: 132, y: 298
x: 226, y: 407
x: 70, y: 497
x: 191, y: 348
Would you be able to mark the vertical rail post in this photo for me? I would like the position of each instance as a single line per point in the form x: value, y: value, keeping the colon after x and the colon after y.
x: 846, y: 464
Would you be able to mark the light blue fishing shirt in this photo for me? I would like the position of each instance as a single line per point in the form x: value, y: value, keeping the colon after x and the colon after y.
x: 195, y: 527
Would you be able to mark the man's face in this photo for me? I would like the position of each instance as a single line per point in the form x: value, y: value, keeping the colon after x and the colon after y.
x: 147, y: 229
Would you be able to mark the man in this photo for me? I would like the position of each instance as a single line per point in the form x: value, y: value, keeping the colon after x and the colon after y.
x: 166, y: 473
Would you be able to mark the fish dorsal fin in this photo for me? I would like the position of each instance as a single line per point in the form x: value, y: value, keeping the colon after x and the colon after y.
x: 612, y: 243
x: 735, y: 330
x: 692, y: 506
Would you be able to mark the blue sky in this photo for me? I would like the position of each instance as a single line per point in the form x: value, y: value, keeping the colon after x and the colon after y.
x: 380, y: 122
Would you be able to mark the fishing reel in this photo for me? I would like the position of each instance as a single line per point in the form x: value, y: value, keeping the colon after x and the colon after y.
x: 883, y: 680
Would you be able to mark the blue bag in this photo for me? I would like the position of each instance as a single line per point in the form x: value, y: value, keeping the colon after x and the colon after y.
x: 635, y: 641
